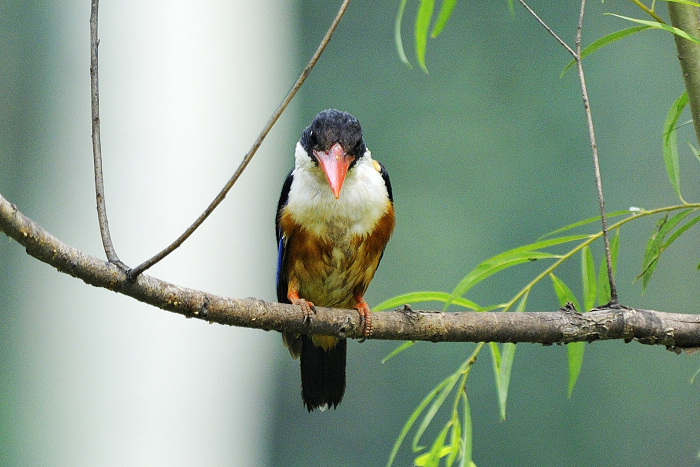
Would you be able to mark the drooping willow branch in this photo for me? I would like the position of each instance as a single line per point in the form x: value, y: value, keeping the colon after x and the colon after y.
x: 675, y: 331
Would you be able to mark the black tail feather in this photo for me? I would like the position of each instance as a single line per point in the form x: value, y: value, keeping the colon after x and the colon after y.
x: 322, y: 374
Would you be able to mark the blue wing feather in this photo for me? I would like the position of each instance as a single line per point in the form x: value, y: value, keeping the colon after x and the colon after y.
x: 282, y: 274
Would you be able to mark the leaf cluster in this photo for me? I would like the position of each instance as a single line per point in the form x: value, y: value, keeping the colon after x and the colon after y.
x: 454, y: 439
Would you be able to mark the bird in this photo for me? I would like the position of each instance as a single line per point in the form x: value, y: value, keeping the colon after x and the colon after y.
x: 334, y: 218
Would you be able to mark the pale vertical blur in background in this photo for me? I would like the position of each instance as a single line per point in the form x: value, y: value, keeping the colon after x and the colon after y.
x: 90, y: 377
x: 487, y: 152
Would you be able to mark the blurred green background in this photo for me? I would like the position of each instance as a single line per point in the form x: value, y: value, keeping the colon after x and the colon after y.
x: 485, y: 153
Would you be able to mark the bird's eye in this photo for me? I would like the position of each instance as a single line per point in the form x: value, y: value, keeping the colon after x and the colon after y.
x: 312, y: 139
x: 358, y: 148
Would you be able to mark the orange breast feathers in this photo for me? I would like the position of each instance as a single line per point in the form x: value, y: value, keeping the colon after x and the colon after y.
x: 332, y: 267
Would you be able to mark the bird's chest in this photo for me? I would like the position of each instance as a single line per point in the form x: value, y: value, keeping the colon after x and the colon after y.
x: 331, y: 257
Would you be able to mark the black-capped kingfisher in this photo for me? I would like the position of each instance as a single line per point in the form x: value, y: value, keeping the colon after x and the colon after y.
x: 334, y: 218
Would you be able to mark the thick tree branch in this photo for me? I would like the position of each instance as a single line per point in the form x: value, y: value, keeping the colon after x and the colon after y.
x: 675, y: 331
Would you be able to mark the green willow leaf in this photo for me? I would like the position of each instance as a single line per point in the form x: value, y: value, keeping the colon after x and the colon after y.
x: 423, y: 17
x: 603, y: 283
x: 603, y: 41
x: 428, y: 296
x: 590, y: 220
x: 681, y: 231
x: 574, y: 352
x: 445, y: 13
x: 662, y: 26
x: 398, y: 350
x: 670, y: 143
x: 651, y: 251
x: 588, y: 279
x: 563, y: 292
x: 523, y: 254
x: 658, y: 242
x: 695, y: 151
x: 442, y: 394
x: 503, y: 364
x: 414, y: 417
x: 437, y: 450
x: 503, y: 376
x: 467, y: 432
x: 574, y: 349
x: 397, y: 33
x: 455, y: 438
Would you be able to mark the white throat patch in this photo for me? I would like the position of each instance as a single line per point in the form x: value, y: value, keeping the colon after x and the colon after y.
x: 362, y: 201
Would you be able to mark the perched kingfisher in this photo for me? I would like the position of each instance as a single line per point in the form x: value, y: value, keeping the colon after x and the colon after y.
x: 334, y: 218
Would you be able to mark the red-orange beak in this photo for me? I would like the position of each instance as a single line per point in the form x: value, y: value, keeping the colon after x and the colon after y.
x: 335, y: 163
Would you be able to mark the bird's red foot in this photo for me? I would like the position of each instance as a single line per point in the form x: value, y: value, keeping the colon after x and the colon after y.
x: 307, y: 308
x: 365, y: 316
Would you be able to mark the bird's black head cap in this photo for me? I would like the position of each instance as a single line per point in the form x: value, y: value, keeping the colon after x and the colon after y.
x: 334, y: 126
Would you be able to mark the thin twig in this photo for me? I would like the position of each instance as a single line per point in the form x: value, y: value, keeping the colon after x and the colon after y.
x: 549, y: 30
x: 224, y: 191
x: 96, y: 145
x: 594, y: 150
x: 591, y: 134
x: 649, y: 11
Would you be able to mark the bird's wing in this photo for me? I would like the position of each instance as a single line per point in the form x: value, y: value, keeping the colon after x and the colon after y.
x: 282, y: 274
x: 385, y: 175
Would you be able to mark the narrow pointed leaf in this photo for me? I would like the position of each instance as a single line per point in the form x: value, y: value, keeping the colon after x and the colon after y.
x: 660, y: 240
x: 670, y: 143
x: 428, y: 296
x: 656, y: 244
x: 455, y: 438
x: 574, y: 350
x: 603, y: 283
x: 692, y: 380
x: 398, y: 350
x: 467, y: 432
x: 398, y: 40
x: 445, y: 13
x: 681, y: 230
x: 449, y: 384
x: 523, y: 254
x: 563, y: 292
x: 413, y: 418
x: 603, y: 41
x: 423, y: 17
x: 438, y: 449
x: 695, y: 151
x: 590, y: 220
x: 503, y: 380
x: 662, y: 26
x: 588, y: 279
x: 503, y: 364
x: 495, y: 358
x: 651, y: 252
